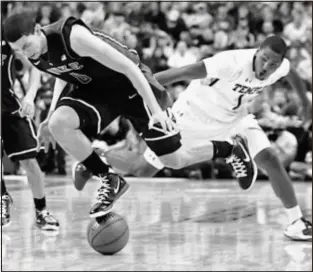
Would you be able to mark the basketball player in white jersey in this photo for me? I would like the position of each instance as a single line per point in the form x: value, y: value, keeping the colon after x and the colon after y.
x: 213, y: 107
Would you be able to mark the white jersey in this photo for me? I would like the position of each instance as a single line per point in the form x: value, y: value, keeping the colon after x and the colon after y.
x: 229, y: 86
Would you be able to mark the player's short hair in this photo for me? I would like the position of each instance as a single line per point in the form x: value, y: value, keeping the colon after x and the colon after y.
x: 276, y: 43
x: 18, y: 25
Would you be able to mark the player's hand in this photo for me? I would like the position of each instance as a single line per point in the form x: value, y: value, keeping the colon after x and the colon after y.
x: 132, y: 141
x: 28, y: 107
x: 45, y: 136
x: 163, y: 118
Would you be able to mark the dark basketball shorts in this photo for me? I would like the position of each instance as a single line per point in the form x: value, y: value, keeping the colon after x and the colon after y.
x: 19, y: 137
x: 99, y: 107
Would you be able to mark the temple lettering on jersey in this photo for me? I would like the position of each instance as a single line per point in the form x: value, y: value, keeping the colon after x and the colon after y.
x: 246, y: 90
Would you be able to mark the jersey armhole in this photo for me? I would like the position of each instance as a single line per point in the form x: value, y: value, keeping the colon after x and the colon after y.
x: 66, y: 39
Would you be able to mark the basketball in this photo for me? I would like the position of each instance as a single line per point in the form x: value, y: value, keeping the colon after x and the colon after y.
x: 108, y: 234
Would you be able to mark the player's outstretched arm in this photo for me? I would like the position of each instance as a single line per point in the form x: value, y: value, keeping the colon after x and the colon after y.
x: 223, y: 65
x: 28, y: 106
x: 59, y: 86
x: 186, y: 73
x: 298, y: 85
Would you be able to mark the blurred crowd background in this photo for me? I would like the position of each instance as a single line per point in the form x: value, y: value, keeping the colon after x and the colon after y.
x: 174, y: 34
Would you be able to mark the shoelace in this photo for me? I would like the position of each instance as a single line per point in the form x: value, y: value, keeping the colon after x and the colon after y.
x: 4, y: 206
x: 238, y: 166
x: 47, y: 216
x: 307, y: 223
x: 103, y: 191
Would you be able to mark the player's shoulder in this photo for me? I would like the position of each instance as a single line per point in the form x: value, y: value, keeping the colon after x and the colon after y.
x: 237, y: 57
x: 282, y: 70
x: 62, y: 26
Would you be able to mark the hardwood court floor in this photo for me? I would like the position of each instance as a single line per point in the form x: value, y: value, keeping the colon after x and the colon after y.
x: 175, y: 224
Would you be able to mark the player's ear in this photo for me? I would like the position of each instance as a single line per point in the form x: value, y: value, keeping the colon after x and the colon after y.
x: 37, y: 29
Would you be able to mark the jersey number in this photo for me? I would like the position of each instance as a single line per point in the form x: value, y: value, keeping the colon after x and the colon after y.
x: 213, y: 81
x: 84, y: 79
x: 239, y: 102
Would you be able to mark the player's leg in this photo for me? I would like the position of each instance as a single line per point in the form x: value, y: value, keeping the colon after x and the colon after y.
x: 172, y: 153
x: 77, y: 116
x: 175, y: 155
x: 129, y: 155
x: 23, y: 147
x: 267, y: 159
x: 6, y: 199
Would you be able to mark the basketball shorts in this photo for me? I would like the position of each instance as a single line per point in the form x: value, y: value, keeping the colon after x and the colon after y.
x: 99, y: 105
x: 196, y: 133
x: 19, y: 137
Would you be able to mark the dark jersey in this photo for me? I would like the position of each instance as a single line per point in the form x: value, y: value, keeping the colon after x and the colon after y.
x: 62, y: 62
x: 9, y: 101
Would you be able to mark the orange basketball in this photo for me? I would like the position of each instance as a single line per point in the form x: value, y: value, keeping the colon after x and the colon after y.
x: 108, y: 234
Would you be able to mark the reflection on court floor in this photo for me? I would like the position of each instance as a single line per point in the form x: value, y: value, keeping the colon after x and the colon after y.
x: 175, y: 224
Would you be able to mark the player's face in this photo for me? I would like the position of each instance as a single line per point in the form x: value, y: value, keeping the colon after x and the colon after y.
x: 30, y: 46
x: 266, y: 63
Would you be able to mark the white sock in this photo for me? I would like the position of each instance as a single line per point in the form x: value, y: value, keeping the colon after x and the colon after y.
x: 294, y: 214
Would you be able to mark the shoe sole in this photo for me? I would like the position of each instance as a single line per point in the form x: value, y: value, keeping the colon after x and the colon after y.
x: 48, y: 228
x: 78, y: 184
x: 102, y: 213
x: 299, y: 239
x: 255, y: 168
x: 6, y: 225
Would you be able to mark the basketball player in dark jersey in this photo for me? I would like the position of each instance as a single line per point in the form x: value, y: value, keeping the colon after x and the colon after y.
x: 20, y: 140
x: 110, y: 79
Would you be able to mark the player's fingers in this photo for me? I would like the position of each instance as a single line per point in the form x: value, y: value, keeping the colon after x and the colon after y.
x: 53, y: 142
x: 39, y: 145
x: 307, y: 125
x: 164, y: 125
x: 151, y: 123
x: 46, y: 144
x: 170, y: 125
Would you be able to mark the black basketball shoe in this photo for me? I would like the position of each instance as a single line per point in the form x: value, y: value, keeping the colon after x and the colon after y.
x: 242, y: 163
x: 45, y: 221
x: 112, y: 187
x: 6, y: 203
x: 80, y: 175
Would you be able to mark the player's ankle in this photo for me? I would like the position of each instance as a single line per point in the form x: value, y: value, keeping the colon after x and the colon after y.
x: 294, y: 214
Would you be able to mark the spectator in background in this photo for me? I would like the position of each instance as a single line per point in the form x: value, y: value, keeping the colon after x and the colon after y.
x: 181, y: 56
x: 174, y: 24
x: 284, y: 12
x: 223, y: 21
x: 242, y: 37
x: 295, y: 31
x: 155, y: 15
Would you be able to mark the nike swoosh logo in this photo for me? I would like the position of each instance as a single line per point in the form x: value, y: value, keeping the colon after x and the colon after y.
x: 132, y: 96
x: 117, y: 187
x: 37, y: 62
x: 247, y: 159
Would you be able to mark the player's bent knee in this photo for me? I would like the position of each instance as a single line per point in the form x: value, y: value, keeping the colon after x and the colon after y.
x: 174, y: 160
x: 63, y: 118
